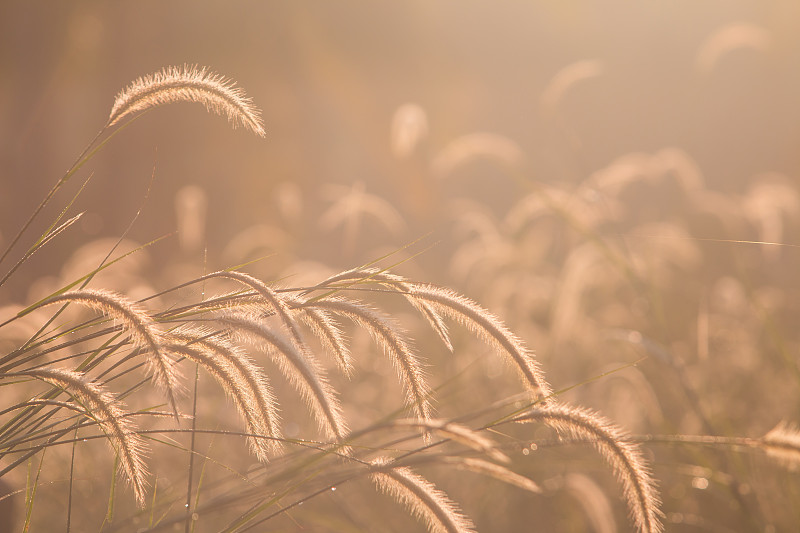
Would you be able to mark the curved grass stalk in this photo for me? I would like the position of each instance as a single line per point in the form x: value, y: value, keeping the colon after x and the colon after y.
x: 271, y: 297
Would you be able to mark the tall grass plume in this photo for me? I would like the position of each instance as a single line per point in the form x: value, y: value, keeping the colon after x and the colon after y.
x: 188, y: 84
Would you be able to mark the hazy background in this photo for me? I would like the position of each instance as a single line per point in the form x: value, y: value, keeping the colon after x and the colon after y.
x: 328, y: 78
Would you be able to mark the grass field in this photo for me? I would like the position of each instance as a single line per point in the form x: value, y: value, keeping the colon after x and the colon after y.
x: 452, y: 268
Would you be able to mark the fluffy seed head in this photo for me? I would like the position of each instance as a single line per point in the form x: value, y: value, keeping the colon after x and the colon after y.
x: 240, y: 379
x: 490, y: 328
x: 622, y: 455
x: 421, y: 497
x: 139, y: 325
x: 106, y: 410
x: 388, y: 336
x: 188, y: 84
x: 300, y: 368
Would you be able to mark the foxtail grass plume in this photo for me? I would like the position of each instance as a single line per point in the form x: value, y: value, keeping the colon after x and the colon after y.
x: 668, y: 163
x: 299, y: 367
x: 351, y: 207
x: 330, y: 336
x: 105, y: 409
x: 473, y: 146
x: 360, y: 275
x: 490, y: 328
x: 388, y: 336
x: 621, y: 454
x: 188, y: 84
x: 241, y: 379
x: 270, y: 296
x: 421, y: 497
x: 139, y: 325
x: 248, y: 375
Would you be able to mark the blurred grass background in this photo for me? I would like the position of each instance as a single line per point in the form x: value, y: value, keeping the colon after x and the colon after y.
x: 328, y: 78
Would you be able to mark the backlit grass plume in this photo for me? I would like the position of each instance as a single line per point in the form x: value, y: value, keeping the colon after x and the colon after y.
x: 388, y: 336
x: 188, y: 84
x: 363, y: 275
x: 101, y: 405
x: 623, y: 456
x: 139, y: 325
x: 241, y: 379
x: 424, y: 500
x: 490, y: 328
x: 298, y: 366
x: 436, y: 302
x: 330, y: 335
